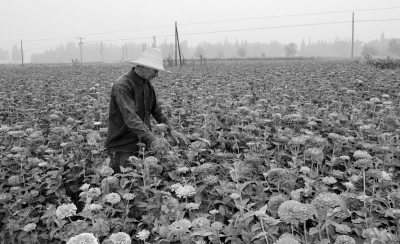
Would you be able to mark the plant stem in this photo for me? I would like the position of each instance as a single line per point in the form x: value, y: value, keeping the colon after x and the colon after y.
x: 305, y: 233
x: 326, y: 226
x: 262, y: 226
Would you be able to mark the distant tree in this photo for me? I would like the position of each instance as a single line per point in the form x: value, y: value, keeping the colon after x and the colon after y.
x: 394, y: 46
x: 290, y: 49
x: 368, y: 50
x: 220, y: 54
x: 199, y: 52
x: 263, y: 55
x: 154, y: 44
x: 303, y: 46
x: 242, y: 52
x: 15, y: 54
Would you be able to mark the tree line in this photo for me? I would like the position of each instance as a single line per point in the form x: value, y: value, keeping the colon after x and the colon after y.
x: 107, y: 52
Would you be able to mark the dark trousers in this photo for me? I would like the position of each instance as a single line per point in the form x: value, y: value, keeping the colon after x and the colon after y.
x: 121, y: 159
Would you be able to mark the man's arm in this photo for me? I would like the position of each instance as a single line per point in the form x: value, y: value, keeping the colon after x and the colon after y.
x: 127, y: 106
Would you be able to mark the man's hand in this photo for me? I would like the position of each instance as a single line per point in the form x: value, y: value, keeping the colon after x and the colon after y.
x: 176, y: 135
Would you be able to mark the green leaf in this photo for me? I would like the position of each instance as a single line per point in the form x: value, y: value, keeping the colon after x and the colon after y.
x: 313, y: 231
x: 202, y: 233
x: 258, y: 235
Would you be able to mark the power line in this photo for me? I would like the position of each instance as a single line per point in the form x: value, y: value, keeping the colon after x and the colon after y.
x: 290, y: 15
x: 99, y: 33
x: 217, y: 21
x: 235, y: 30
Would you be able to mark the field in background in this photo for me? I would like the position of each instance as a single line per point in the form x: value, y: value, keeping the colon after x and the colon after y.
x: 301, y: 149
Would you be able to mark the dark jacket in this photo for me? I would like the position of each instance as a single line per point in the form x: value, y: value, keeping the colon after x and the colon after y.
x: 133, y: 100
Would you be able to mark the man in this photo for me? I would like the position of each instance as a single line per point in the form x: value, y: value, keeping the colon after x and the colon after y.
x: 133, y: 100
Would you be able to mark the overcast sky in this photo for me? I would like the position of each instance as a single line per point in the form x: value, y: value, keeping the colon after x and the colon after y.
x: 44, y: 19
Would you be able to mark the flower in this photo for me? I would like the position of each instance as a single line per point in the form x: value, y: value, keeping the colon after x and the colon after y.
x: 95, y: 207
x: 128, y: 196
x: 94, y: 192
x: 286, y: 211
x: 326, y: 200
x: 133, y: 159
x: 170, y: 204
x: 84, y: 238
x: 180, y: 227
x: 349, y: 185
x: 192, y: 206
x: 277, y: 174
x: 305, y: 170
x: 274, y: 203
x: 182, y: 169
x: 344, y: 239
x: 66, y: 210
x: 120, y: 238
x: 359, y: 154
x: 106, y: 171
x: 363, y: 163
x: 304, y: 212
x: 112, y: 180
x: 344, y: 157
x: 201, y: 222
x: 342, y: 229
x: 113, y: 198
x: 287, y: 241
x: 185, y: 191
x: 314, y: 152
x: 217, y: 226
x: 329, y: 180
x: 143, y: 235
x: 214, y: 211
x: 151, y: 160
x: 386, y: 176
x: 175, y: 186
x: 29, y: 227
x: 234, y: 196
x: 14, y: 180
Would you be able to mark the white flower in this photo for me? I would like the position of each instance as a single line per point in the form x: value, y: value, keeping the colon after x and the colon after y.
x: 143, y: 235
x: 66, y: 210
x: 120, y: 238
x: 234, y: 196
x: 29, y: 227
x: 113, y: 198
x: 84, y: 238
x: 214, y: 211
x: 348, y: 185
x: 305, y: 170
x: 192, y: 206
x: 128, y: 196
x: 185, y: 191
x: 386, y: 176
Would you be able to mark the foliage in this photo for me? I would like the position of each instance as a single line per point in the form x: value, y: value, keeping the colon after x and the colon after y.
x: 383, y: 63
x: 199, y: 52
x: 290, y: 49
x: 268, y: 161
x: 242, y: 52
x: 394, y: 46
x: 368, y: 50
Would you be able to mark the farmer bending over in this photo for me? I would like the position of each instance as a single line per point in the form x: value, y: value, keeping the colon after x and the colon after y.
x: 133, y: 100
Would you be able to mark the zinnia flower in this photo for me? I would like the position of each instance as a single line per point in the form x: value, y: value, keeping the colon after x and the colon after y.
x: 326, y: 200
x: 286, y: 211
x: 120, y: 238
x: 217, y: 226
x: 343, y: 239
x: 94, y: 192
x: 359, y: 154
x: 66, y: 210
x: 274, y: 203
x: 113, y: 198
x: 106, y: 171
x: 234, y: 196
x: 180, y: 227
x: 29, y: 227
x: 84, y: 238
x: 128, y: 196
x: 287, y: 241
x: 185, y: 191
x: 201, y: 222
x: 192, y: 206
x: 143, y: 235
x: 329, y: 180
x: 214, y: 211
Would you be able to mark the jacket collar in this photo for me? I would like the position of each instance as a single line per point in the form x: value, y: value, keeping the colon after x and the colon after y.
x: 135, y: 78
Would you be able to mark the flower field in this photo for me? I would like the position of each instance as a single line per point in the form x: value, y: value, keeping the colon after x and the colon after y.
x: 285, y: 152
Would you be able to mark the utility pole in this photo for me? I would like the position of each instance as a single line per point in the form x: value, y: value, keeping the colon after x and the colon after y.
x: 179, y: 45
x: 80, y: 45
x: 352, y: 38
x: 22, y: 55
x: 176, y: 50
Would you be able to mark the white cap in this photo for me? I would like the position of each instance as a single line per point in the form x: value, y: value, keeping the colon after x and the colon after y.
x: 151, y: 58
